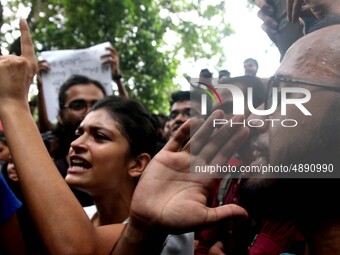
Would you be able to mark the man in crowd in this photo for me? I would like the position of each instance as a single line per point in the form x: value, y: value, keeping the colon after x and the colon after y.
x: 250, y: 67
x: 182, y: 108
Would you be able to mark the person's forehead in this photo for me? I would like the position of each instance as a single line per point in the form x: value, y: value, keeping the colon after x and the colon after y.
x: 100, y: 118
x: 315, y: 57
x: 186, y: 104
x: 84, y: 91
x: 249, y: 63
x: 179, y: 105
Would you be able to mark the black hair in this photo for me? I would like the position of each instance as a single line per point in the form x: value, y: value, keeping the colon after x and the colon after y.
x: 252, y: 60
x: 205, y: 73
x: 185, y: 95
x: 134, y: 122
x: 179, y: 96
x: 76, y: 80
x: 223, y: 72
x: 259, y: 92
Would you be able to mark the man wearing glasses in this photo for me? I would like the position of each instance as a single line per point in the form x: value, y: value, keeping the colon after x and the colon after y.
x: 76, y: 97
x: 306, y: 193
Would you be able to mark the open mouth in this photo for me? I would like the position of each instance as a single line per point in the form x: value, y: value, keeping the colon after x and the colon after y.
x: 79, y: 163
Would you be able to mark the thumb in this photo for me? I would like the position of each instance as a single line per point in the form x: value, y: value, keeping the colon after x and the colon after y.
x: 225, y: 212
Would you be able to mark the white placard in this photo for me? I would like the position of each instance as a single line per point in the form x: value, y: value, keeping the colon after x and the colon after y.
x: 64, y: 63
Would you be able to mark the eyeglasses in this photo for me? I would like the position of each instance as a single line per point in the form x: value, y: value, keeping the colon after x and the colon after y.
x: 80, y: 105
x: 187, y: 112
x: 276, y: 79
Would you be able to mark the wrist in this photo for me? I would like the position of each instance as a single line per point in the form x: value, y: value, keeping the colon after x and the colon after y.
x: 138, y: 231
x: 11, y: 106
x: 117, y: 76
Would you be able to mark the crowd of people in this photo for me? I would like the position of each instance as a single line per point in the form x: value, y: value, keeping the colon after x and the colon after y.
x: 112, y: 178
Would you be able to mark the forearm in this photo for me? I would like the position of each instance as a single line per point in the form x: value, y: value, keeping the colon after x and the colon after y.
x: 54, y: 209
x: 121, y: 88
x: 138, y: 240
x: 43, y: 122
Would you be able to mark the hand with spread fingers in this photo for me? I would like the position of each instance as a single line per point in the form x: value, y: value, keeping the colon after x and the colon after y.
x: 170, y: 195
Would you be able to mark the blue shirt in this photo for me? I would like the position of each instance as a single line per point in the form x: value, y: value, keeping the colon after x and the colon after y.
x: 9, y: 204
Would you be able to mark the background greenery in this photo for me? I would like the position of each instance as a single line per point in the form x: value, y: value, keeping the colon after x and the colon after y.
x: 138, y: 29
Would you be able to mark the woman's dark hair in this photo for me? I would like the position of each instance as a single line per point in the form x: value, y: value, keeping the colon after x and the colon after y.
x: 76, y: 80
x: 134, y: 122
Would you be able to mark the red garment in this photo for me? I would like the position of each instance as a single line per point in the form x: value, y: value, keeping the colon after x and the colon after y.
x: 276, y: 237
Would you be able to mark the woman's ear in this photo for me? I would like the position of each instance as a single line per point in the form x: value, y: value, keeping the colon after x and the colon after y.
x: 59, y: 117
x: 138, y: 164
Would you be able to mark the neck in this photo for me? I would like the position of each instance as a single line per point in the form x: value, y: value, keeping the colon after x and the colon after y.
x: 112, y: 206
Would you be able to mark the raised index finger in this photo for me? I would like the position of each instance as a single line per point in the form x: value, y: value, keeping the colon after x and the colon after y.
x: 27, y: 50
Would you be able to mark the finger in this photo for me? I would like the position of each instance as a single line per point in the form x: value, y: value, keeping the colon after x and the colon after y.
x: 225, y: 141
x: 260, y: 3
x: 42, y: 62
x: 44, y: 69
x: 109, y: 55
x: 295, y: 9
x: 43, y: 66
x: 109, y: 61
x: 226, y: 211
x: 230, y: 147
x: 217, y: 249
x: 270, y: 32
x: 267, y: 20
x: 219, y: 245
x: 180, y: 136
x: 290, y: 9
x: 266, y: 8
x: 202, y: 136
x: 194, y: 126
x: 27, y: 50
x: 113, y: 50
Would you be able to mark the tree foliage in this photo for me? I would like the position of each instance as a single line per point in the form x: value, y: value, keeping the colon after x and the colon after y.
x: 137, y: 29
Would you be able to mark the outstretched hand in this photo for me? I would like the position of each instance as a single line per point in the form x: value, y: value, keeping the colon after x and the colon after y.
x: 17, y: 72
x: 172, y: 198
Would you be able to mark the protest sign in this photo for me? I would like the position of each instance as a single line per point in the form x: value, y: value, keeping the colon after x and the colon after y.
x: 64, y: 63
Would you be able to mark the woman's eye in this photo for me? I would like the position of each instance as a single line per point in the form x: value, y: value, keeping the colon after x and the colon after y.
x: 100, y: 136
